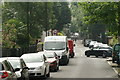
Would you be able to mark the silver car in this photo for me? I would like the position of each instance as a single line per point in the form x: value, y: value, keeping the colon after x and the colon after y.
x: 38, y: 65
x: 18, y: 63
x: 6, y: 70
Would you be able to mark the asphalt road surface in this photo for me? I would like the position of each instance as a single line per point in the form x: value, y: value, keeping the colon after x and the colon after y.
x: 85, y: 67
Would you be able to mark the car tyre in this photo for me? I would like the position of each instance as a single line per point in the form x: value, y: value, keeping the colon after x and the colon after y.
x: 88, y: 55
x: 103, y: 55
x: 45, y: 76
x: 48, y: 75
x: 96, y: 56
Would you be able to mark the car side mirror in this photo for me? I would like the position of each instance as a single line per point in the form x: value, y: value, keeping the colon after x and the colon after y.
x: 74, y: 45
x: 17, y: 69
x: 26, y: 68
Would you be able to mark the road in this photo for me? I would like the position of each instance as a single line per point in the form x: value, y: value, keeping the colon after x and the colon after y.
x: 85, y: 67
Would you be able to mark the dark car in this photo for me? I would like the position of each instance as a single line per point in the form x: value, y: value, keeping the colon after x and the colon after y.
x: 115, y: 53
x: 18, y: 63
x: 53, y: 59
x: 104, y: 51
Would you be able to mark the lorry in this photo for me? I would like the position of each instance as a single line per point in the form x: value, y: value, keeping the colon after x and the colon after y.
x: 59, y: 45
x: 71, y: 48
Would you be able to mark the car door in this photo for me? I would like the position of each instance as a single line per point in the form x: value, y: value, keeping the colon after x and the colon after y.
x: 46, y: 64
x: 24, y: 71
x: 57, y: 58
x: 9, y: 68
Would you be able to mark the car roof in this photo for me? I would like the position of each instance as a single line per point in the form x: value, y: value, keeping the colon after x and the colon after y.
x: 2, y: 59
x: 32, y: 54
x: 12, y: 58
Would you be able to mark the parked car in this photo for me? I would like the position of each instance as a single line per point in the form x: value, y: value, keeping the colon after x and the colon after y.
x: 116, y: 53
x: 37, y: 64
x: 87, y: 42
x: 104, y: 51
x: 6, y: 70
x: 92, y: 43
x: 53, y: 59
x: 71, y: 48
x: 18, y: 63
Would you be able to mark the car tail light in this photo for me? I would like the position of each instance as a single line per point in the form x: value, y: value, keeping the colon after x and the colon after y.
x: 3, y: 74
x: 54, y: 62
x: 113, y: 54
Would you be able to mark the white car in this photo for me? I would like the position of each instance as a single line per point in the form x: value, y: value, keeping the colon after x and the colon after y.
x: 18, y: 63
x: 37, y: 64
x: 6, y: 70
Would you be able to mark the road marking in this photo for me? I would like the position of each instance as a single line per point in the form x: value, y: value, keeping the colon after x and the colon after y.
x: 113, y: 68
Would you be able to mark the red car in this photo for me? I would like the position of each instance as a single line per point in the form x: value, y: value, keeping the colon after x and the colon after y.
x: 53, y: 59
x: 71, y: 48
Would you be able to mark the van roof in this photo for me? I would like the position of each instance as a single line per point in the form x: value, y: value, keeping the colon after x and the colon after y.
x: 55, y: 38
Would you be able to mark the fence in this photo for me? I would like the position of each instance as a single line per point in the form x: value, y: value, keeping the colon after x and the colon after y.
x: 17, y: 52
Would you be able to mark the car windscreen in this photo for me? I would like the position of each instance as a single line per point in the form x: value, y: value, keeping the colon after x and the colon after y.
x: 117, y: 48
x: 32, y: 58
x: 15, y: 63
x: 49, y: 55
x: 55, y: 45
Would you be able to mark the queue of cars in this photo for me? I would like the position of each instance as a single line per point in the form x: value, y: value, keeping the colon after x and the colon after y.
x: 98, y: 49
x: 37, y: 65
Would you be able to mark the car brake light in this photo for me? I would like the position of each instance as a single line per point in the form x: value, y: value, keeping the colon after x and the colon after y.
x: 4, y: 75
x: 53, y: 62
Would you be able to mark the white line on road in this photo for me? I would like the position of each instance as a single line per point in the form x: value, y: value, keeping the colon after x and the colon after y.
x: 113, y: 68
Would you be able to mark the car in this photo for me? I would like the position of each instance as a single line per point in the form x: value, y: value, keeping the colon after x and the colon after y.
x: 87, y: 42
x: 6, y: 70
x: 53, y: 59
x: 18, y: 63
x: 37, y: 64
x: 116, y: 53
x: 92, y: 43
x: 104, y: 51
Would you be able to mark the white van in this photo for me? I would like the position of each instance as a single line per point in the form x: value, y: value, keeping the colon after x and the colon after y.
x: 59, y: 45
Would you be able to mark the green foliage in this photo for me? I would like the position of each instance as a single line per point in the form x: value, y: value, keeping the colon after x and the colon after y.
x: 23, y: 22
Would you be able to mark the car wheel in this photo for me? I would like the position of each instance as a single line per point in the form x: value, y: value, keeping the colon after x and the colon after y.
x: 118, y: 62
x: 48, y: 75
x: 88, y: 55
x: 113, y: 60
x: 103, y: 55
x: 73, y: 55
x: 58, y: 67
x: 96, y: 56
x: 45, y: 76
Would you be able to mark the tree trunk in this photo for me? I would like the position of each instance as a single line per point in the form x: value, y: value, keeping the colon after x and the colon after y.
x: 119, y: 21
